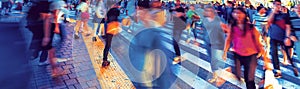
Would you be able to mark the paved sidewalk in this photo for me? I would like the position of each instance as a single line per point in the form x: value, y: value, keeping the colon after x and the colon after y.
x: 76, y: 63
x: 112, y: 77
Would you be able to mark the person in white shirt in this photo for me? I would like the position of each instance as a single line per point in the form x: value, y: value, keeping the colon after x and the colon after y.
x: 83, y: 7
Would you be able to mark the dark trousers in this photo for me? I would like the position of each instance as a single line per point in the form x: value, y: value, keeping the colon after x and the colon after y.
x: 274, y: 53
x: 250, y: 64
x: 176, y: 39
x: 107, y: 46
x: 176, y: 48
x: 36, y: 42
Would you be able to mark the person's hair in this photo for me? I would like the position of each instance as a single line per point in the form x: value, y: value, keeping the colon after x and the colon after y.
x: 210, y: 7
x: 83, y: 0
x: 277, y: 1
x: 144, y: 3
x: 230, y: 2
x: 247, y: 25
x: 251, y: 7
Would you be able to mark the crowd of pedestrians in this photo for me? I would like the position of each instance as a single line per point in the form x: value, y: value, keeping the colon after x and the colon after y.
x: 249, y: 32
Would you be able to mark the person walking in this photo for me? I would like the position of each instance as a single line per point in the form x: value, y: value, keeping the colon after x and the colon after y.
x: 296, y: 28
x: 215, y: 44
x: 113, y: 27
x: 280, y: 32
x: 260, y: 22
x: 99, y: 16
x: 35, y: 25
x: 247, y: 52
x: 83, y: 18
x: 179, y: 21
x: 54, y: 25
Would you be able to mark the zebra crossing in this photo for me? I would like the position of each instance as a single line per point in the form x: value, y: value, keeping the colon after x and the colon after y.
x: 197, y: 56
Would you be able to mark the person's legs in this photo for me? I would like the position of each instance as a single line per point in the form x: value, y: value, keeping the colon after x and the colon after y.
x: 107, y: 48
x: 176, y: 48
x: 77, y: 26
x: 285, y: 59
x: 216, y: 59
x: 274, y: 54
x: 237, y: 63
x: 44, y: 56
x: 285, y: 48
x: 86, y: 27
x: 96, y: 31
x: 217, y: 64
x: 250, y: 65
x: 297, y: 44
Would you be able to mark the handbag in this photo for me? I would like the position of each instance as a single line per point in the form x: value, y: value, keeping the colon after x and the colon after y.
x: 85, y: 16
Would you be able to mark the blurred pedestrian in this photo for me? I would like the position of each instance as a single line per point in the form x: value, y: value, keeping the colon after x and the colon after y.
x: 113, y: 28
x: 215, y: 44
x: 98, y: 20
x: 280, y: 31
x: 82, y: 19
x: 35, y: 23
x: 54, y: 25
x: 179, y: 21
x: 227, y: 11
x: 260, y: 22
x: 192, y: 17
x: 6, y: 6
x: 295, y: 26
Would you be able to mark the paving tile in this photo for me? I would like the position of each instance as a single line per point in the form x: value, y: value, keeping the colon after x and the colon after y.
x: 71, y: 87
x: 72, y: 75
x: 92, y: 83
x: 71, y: 81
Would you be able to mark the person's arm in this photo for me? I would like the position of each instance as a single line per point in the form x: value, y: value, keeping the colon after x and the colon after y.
x: 288, y: 26
x: 258, y: 39
x: 226, y: 46
x: 227, y: 40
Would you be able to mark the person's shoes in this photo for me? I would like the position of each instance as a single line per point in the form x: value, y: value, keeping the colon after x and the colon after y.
x: 94, y: 39
x: 295, y: 70
x: 129, y: 31
x: 220, y: 81
x: 105, y: 63
x: 76, y: 36
x: 44, y: 63
x: 88, y: 34
x: 213, y: 79
x: 177, y: 60
x: 278, y: 74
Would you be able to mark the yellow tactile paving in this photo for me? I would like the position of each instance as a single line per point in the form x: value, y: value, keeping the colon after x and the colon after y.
x: 112, y: 77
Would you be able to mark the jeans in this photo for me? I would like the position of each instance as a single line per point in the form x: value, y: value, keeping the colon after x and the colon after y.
x: 107, y: 46
x: 250, y: 64
x: 274, y: 53
x: 216, y: 59
x: 297, y: 44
